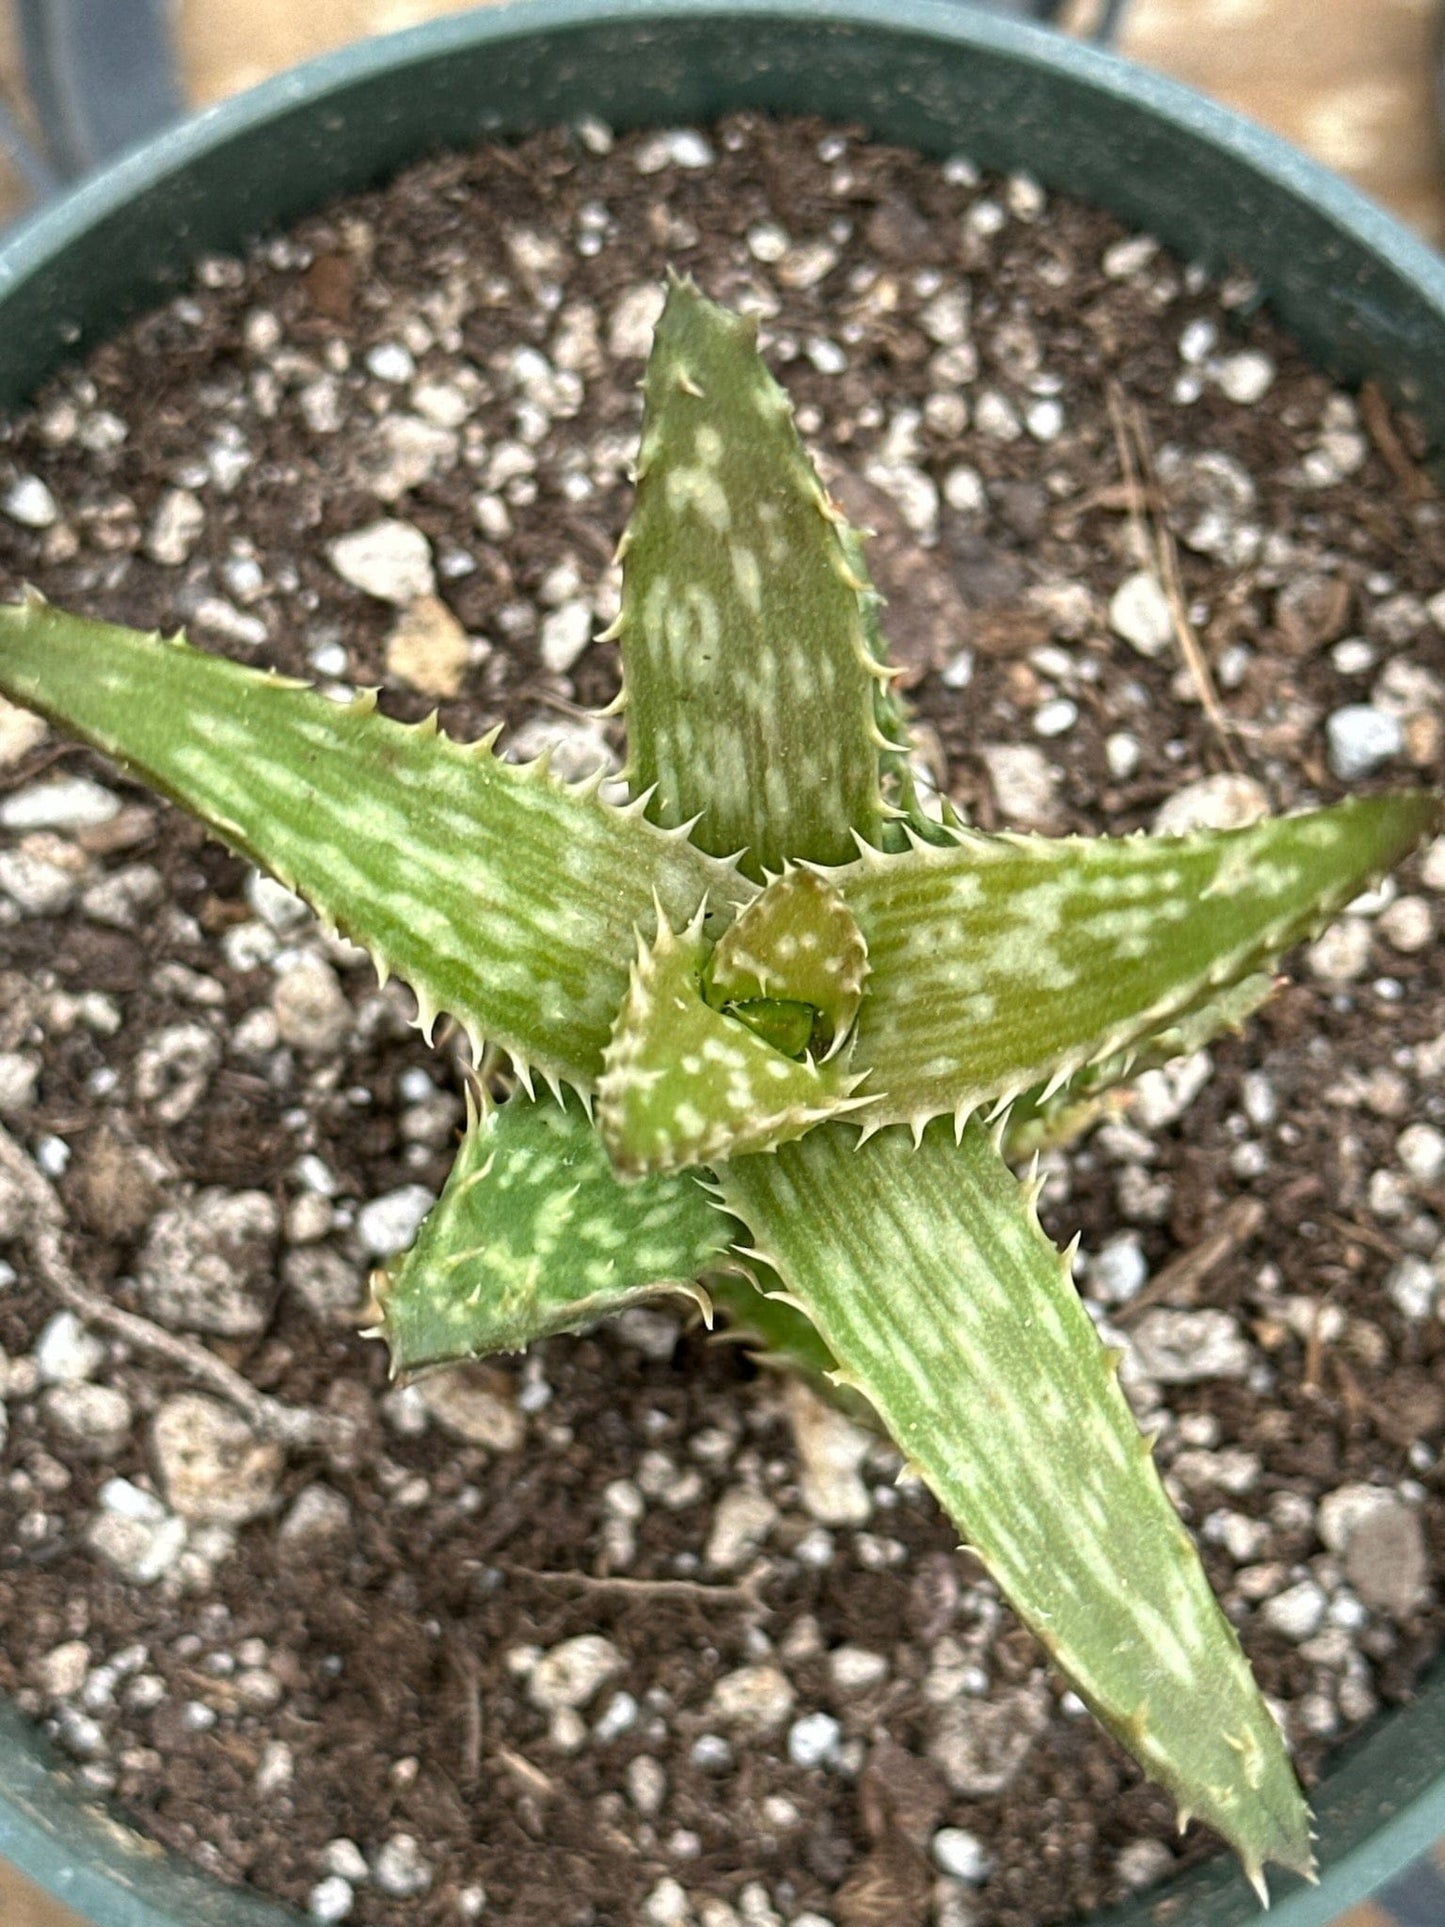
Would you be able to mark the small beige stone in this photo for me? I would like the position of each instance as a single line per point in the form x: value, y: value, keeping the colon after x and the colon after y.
x: 20, y: 732
x: 754, y: 1699
x: 428, y: 648
x: 473, y: 1403
x: 210, y: 1463
x: 831, y: 1449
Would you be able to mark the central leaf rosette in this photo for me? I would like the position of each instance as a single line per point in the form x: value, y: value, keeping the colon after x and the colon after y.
x: 718, y: 1053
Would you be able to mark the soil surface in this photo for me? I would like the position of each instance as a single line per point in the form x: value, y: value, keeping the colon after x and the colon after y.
x: 627, y: 1631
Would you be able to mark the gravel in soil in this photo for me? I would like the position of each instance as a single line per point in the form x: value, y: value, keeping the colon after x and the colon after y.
x: 625, y: 1632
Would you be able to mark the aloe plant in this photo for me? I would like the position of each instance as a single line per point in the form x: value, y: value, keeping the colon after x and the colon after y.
x: 782, y: 1016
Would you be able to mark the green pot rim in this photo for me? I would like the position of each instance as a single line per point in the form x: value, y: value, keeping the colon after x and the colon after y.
x: 1364, y: 295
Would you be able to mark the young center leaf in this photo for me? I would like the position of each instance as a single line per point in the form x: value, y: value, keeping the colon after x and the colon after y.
x: 686, y: 1084
x: 797, y: 944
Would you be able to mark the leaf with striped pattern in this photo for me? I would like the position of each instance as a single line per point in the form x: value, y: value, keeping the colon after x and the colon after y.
x: 735, y: 583
x: 497, y: 893
x: 1002, y: 963
x: 534, y: 1235
x: 927, y: 1277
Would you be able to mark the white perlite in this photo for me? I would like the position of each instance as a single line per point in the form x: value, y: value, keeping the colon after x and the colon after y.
x: 1139, y: 614
x: 574, y: 1673
x: 831, y: 1451
x: 65, y: 1352
x: 175, y: 528
x: 92, y: 1420
x: 1361, y: 739
x: 1226, y: 801
x: 753, y: 1699
x: 742, y: 1520
x: 1182, y: 1347
x: 1342, y: 953
x: 389, y: 1223
x: 399, y: 1869
x: 330, y: 1899
x: 960, y: 1854
x: 64, y: 803
x: 29, y: 502
x: 210, y: 1463
x: 311, y: 1010
x: 1298, y: 1612
x: 1024, y: 782
x: 388, y: 559
x: 629, y: 329
x: 206, y: 1264
x: 814, y: 1740
x: 566, y: 633
x: 667, y: 1905
x: 467, y: 1402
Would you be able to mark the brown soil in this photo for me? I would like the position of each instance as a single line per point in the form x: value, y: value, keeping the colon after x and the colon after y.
x: 397, y: 1652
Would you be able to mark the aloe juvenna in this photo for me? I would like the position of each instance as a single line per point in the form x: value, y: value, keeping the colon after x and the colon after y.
x: 782, y: 1016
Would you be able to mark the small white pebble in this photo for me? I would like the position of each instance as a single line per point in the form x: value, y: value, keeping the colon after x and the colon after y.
x: 1298, y: 1612
x: 1342, y: 954
x: 1360, y: 739
x: 1245, y: 378
x: 399, y: 1869
x: 767, y: 242
x: 963, y: 490
x: 667, y: 1905
x: 1408, y: 925
x: 1045, y: 419
x: 1354, y: 656
x: 391, y: 361
x: 995, y: 416
x: 1122, y: 754
x: 345, y: 1859
x: 330, y: 1899
x: 1421, y: 1150
x: 960, y: 1854
x: 814, y: 1740
x: 1055, y: 718
x: 1139, y: 613
x: 29, y: 502
x: 1125, y: 258
x: 1196, y: 342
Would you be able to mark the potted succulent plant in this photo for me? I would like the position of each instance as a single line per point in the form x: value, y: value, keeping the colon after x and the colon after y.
x: 779, y: 976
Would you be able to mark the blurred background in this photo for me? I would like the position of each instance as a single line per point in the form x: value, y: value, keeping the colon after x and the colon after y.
x: 1351, y: 81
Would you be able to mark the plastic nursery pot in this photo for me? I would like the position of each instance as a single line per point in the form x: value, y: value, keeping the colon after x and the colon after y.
x: 1363, y: 297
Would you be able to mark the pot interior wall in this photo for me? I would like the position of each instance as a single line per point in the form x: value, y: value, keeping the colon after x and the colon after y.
x: 1357, y: 292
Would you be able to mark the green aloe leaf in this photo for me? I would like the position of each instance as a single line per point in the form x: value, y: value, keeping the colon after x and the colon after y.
x: 1008, y: 962
x: 497, y: 893
x: 925, y: 1273
x: 1040, y: 1123
x: 735, y: 580
x: 687, y: 1084
x: 534, y: 1235
x: 797, y: 943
